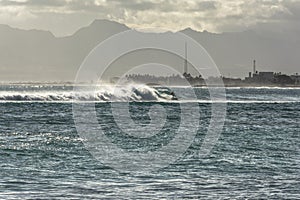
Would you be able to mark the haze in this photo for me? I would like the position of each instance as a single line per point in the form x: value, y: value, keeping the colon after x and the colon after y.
x: 233, y: 32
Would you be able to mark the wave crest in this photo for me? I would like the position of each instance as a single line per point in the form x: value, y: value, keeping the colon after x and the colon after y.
x: 103, y: 93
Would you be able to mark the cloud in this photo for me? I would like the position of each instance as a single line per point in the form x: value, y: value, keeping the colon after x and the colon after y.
x: 38, y: 3
x: 205, y: 6
x: 136, y: 5
x: 211, y: 15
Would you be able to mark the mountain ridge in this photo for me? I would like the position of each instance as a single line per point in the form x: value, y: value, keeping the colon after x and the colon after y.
x: 37, y: 54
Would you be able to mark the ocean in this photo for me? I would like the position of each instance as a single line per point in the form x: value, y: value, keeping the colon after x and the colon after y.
x: 257, y: 155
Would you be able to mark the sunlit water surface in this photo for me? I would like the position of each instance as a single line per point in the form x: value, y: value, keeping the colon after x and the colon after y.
x: 257, y: 155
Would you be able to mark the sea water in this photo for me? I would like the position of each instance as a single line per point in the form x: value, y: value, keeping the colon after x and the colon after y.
x: 43, y: 156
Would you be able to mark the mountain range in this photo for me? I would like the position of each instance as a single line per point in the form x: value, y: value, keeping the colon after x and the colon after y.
x: 35, y: 55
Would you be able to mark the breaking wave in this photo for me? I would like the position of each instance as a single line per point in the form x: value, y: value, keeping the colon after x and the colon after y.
x: 143, y: 93
x: 103, y: 94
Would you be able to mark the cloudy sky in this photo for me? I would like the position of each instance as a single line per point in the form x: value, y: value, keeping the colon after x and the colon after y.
x: 64, y: 17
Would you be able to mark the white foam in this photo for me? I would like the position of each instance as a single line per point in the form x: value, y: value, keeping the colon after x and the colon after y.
x: 103, y: 93
x: 129, y: 93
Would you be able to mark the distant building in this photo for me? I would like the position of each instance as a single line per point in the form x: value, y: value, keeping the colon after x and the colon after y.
x: 283, y: 79
x: 261, y: 77
x: 265, y: 77
x: 272, y: 78
x: 296, y: 78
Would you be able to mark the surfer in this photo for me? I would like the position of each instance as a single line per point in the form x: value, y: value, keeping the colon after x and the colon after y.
x: 173, y: 96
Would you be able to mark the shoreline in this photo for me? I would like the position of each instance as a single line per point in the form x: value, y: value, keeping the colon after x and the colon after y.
x: 152, y: 85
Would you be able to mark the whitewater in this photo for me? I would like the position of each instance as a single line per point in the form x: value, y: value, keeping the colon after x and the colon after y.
x: 104, y: 93
x: 142, y: 93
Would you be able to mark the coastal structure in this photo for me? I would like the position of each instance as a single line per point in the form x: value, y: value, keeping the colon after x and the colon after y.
x: 296, y: 78
x: 270, y: 78
x: 255, y: 78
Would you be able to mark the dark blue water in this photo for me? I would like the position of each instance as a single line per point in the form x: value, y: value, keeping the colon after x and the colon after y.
x: 256, y: 157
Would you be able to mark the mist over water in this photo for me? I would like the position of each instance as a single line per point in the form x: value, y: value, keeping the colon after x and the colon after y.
x: 138, y: 92
x: 42, y: 156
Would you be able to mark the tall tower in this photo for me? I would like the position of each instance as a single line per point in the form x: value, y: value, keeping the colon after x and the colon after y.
x: 185, y: 61
x: 254, y: 66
